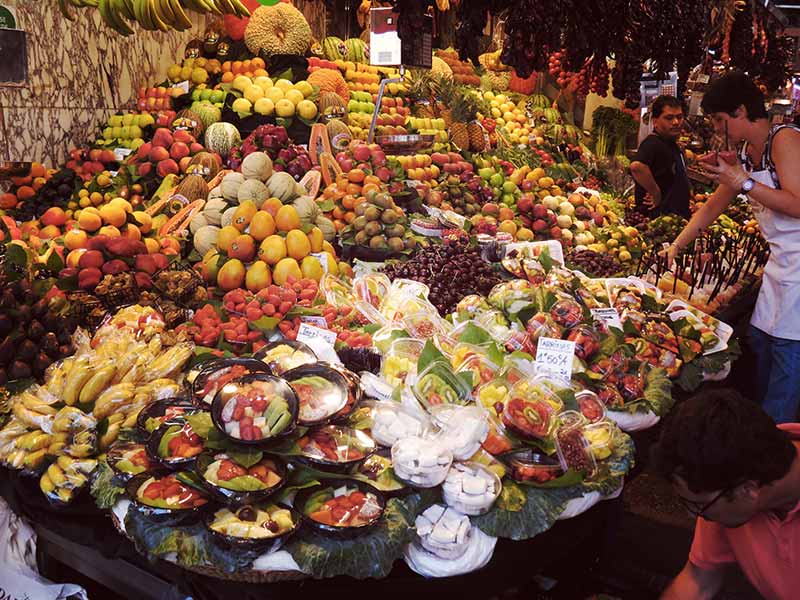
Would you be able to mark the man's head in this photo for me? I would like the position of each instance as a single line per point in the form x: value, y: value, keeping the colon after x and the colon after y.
x: 733, y: 102
x: 667, y: 116
x: 722, y: 452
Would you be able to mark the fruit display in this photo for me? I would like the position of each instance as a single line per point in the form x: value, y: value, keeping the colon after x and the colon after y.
x: 126, y: 131
x: 463, y: 72
x: 593, y: 263
x: 280, y: 97
x: 379, y: 224
x: 34, y: 195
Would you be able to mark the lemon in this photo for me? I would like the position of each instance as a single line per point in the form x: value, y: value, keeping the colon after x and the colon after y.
x: 242, y: 105
x: 284, y: 108
x: 274, y: 93
x: 305, y: 88
x: 263, y: 82
x: 294, y: 96
x: 284, y: 84
x: 241, y: 83
x: 253, y: 94
x: 307, y: 109
x: 264, y: 106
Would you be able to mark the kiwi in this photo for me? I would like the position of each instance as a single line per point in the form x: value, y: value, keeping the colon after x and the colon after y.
x: 359, y: 223
x: 373, y: 213
x: 383, y: 201
x: 377, y: 242
x: 390, y: 217
x: 360, y: 209
x: 362, y: 238
x: 373, y: 228
x: 396, y: 244
x: 410, y: 243
x: 394, y: 231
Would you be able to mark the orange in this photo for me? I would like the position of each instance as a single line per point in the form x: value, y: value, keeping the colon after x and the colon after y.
x: 258, y: 63
x: 228, y: 77
x: 356, y: 176
x: 113, y: 214
x: 96, y: 198
x: 25, y: 192
x: 89, y: 221
x: 38, y: 170
x: 54, y: 216
x: 132, y: 232
x: 75, y: 239
x: 110, y: 231
x: 262, y: 225
x: 260, y: 73
x: 226, y: 66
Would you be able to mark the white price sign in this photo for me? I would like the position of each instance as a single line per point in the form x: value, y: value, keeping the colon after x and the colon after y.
x: 183, y: 85
x: 311, y: 335
x: 120, y: 154
x: 609, y: 316
x: 316, y: 321
x: 554, y: 357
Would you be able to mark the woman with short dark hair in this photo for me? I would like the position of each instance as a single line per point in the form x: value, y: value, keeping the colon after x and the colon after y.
x: 766, y: 172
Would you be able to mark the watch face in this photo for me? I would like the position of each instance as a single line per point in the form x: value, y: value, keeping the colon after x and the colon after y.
x: 748, y: 185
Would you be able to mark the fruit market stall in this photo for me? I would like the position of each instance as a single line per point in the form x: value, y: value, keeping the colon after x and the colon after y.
x: 269, y: 348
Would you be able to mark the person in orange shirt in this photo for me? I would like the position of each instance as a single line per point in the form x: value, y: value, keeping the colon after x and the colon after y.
x: 739, y: 474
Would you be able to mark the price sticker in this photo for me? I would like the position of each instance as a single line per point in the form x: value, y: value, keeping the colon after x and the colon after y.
x: 316, y: 321
x: 121, y: 153
x: 314, y: 336
x: 554, y: 357
x: 609, y: 316
x: 183, y: 85
x: 322, y: 257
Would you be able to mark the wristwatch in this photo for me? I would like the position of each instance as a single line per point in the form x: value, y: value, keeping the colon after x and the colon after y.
x: 748, y: 185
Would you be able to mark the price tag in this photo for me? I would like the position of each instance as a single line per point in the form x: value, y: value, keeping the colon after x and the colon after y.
x: 184, y: 85
x: 609, y: 316
x: 316, y: 321
x: 554, y: 357
x: 322, y: 257
x: 121, y: 153
x: 313, y: 336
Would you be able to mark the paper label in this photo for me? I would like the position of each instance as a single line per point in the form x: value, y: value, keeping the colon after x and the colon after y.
x: 554, y: 357
x: 322, y: 257
x: 121, y: 153
x: 609, y: 316
x: 184, y: 85
x: 311, y: 335
x: 316, y: 321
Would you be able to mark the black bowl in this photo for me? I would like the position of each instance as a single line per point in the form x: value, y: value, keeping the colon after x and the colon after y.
x: 275, y: 366
x: 231, y: 497
x: 155, y: 439
x: 354, y: 397
x: 115, y: 455
x: 263, y: 545
x: 286, y: 392
x: 369, y: 446
x: 159, y: 408
x: 337, y: 400
x: 344, y: 532
x: 163, y: 516
x: 363, y: 469
x: 208, y: 368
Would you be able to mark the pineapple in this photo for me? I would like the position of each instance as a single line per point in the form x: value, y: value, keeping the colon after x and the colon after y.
x: 463, y: 109
x: 477, y: 141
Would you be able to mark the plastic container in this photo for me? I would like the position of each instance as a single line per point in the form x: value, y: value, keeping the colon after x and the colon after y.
x: 601, y: 439
x: 152, y: 416
x: 574, y: 450
x: 437, y: 384
x: 335, y: 290
x: 469, y: 307
x: 494, y: 394
x: 399, y: 363
x: 587, y: 342
x: 496, y: 324
x: 391, y: 422
x: 532, y: 410
x: 217, y: 373
x: 483, y: 370
x: 184, y: 504
x: 174, y: 444
x: 531, y: 466
x: 255, y: 409
x: 462, y: 428
x: 421, y: 462
x: 262, y: 527
x: 445, y: 343
x: 285, y: 355
x: 372, y: 288
x: 411, y: 287
x: 335, y: 447
x: 321, y: 391
x: 590, y: 406
x: 471, y: 488
x: 128, y: 460
x: 230, y: 482
x: 497, y: 440
x: 355, y: 395
x: 444, y: 532
x: 567, y: 313
x: 341, y: 507
x: 425, y: 324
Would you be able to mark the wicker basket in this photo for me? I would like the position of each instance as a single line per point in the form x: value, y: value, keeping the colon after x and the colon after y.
x: 187, y: 294
x: 120, y: 296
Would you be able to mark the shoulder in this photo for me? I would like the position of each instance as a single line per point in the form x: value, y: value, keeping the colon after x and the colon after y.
x: 786, y: 137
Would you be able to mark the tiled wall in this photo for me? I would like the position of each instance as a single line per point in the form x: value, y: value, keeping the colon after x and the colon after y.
x: 78, y: 73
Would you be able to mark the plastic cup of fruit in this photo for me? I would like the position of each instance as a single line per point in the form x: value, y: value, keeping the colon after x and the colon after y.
x: 462, y: 429
x: 391, y: 422
x: 471, y: 488
x: 437, y: 384
x: 483, y: 370
x: 574, y: 450
x: 497, y: 441
x: 172, y: 502
x: 285, y: 355
x: 255, y: 409
x: 531, y: 410
x: 421, y: 462
x: 321, y: 391
x: 425, y: 324
x: 590, y: 406
x: 217, y: 373
x: 601, y: 439
x: 532, y: 467
x: 372, y: 288
x: 444, y: 532
x: 399, y: 363
x: 252, y: 527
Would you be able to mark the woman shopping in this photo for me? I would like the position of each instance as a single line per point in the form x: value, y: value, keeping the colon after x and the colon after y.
x: 766, y: 171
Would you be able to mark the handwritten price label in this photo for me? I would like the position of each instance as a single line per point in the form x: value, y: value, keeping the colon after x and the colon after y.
x: 609, y: 316
x: 312, y: 336
x: 554, y: 357
x: 316, y: 321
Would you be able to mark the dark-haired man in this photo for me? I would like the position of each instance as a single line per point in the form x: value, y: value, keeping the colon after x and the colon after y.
x: 740, y: 475
x: 658, y: 169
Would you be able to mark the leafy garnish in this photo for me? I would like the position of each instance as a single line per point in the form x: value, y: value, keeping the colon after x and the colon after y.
x: 105, y: 488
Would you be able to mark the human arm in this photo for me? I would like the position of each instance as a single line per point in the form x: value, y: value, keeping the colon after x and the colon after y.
x: 705, y: 216
x: 695, y: 583
x: 785, y: 149
x: 642, y: 175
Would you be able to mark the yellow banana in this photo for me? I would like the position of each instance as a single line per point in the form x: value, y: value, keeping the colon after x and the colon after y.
x: 32, y: 419
x: 169, y: 362
x: 109, y: 437
x: 35, y: 459
x: 16, y: 459
x: 96, y: 384
x: 46, y: 484
x: 113, y: 399
x: 56, y: 448
x: 184, y: 22
x: 80, y: 450
x: 71, y: 419
x: 64, y: 462
x: 64, y: 495
x: 36, y: 404
x: 117, y: 417
x: 34, y: 441
x: 76, y: 379
x: 56, y: 475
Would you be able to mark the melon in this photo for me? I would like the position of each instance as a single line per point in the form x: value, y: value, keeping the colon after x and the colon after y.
x: 227, y: 216
x: 207, y: 112
x: 283, y: 186
x: 333, y: 48
x: 204, y: 164
x: 230, y: 186
x: 212, y: 211
x: 356, y: 50
x: 254, y: 190
x: 205, y: 238
x: 257, y: 165
x: 222, y: 137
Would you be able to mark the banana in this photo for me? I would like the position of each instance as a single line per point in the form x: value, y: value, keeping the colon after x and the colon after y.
x: 113, y: 399
x: 70, y: 419
x: 96, y: 384
x: 32, y: 419
x: 36, y: 404
x: 46, y: 484
x: 155, y: 17
x: 109, y: 437
x: 56, y: 475
x: 76, y: 379
x: 80, y: 450
x: 55, y: 384
x: 64, y: 463
x: 116, y: 12
x: 16, y: 459
x: 183, y: 22
x: 117, y: 417
x: 64, y: 495
x: 241, y: 9
x: 35, y: 459
x: 126, y: 10
x: 55, y: 448
x: 168, y: 363
x: 34, y: 441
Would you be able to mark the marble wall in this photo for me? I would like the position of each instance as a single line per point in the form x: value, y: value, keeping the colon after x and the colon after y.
x: 78, y: 74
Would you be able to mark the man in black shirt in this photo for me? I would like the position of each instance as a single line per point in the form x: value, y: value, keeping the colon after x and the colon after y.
x: 659, y: 170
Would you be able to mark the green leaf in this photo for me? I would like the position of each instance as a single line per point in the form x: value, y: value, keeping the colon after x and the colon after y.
x: 16, y: 255
x: 522, y: 513
x: 611, y: 471
x: 287, y: 74
x: 247, y: 457
x: 326, y: 205
x: 477, y: 336
x: 303, y: 311
x: 658, y: 392
x: 148, y: 537
x: 203, y: 426
x: 546, y: 260
x: 265, y: 324
x: 105, y: 490
x: 430, y: 354
x: 370, y: 555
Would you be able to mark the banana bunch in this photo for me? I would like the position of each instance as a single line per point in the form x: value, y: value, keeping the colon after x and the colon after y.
x: 153, y: 15
x: 32, y: 411
x: 64, y: 478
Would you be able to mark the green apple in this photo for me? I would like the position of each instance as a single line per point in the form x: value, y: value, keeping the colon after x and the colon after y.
x: 115, y: 121
x: 353, y: 106
x: 116, y: 132
x: 217, y: 96
x: 496, y: 180
x: 127, y: 119
x: 126, y: 132
x: 108, y: 133
x: 195, y: 95
x: 135, y: 131
x: 206, y: 94
x: 509, y: 187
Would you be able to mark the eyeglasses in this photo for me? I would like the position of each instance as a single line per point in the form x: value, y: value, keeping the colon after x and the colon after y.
x: 692, y: 506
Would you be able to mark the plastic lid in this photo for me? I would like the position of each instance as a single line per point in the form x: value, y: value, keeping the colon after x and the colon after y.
x: 372, y: 288
x: 217, y: 373
x: 255, y: 408
x: 532, y: 409
x: 321, y: 391
x: 532, y: 466
x: 399, y: 363
x: 391, y: 422
x: 437, y: 384
x: 285, y: 355
x: 574, y: 450
x: 425, y: 324
x: 336, y: 445
x: 590, y: 406
x: 483, y: 370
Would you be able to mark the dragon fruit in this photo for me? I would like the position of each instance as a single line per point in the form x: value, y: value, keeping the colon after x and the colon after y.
x: 293, y: 160
x: 264, y: 138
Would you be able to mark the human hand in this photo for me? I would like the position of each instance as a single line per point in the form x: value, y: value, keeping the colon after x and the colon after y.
x: 670, y: 253
x: 730, y: 175
x: 652, y: 202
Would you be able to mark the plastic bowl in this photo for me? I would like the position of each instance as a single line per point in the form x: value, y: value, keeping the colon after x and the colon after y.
x: 303, y: 496
x: 225, y: 495
x: 163, y: 516
x: 263, y: 545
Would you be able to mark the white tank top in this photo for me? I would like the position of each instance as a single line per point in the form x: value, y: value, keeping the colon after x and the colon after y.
x: 777, y: 310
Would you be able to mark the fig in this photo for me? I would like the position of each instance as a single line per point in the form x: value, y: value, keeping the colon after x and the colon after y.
x: 50, y: 344
x: 19, y: 370
x: 6, y: 325
x: 6, y: 351
x: 26, y: 350
x: 40, y: 363
x: 35, y: 330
